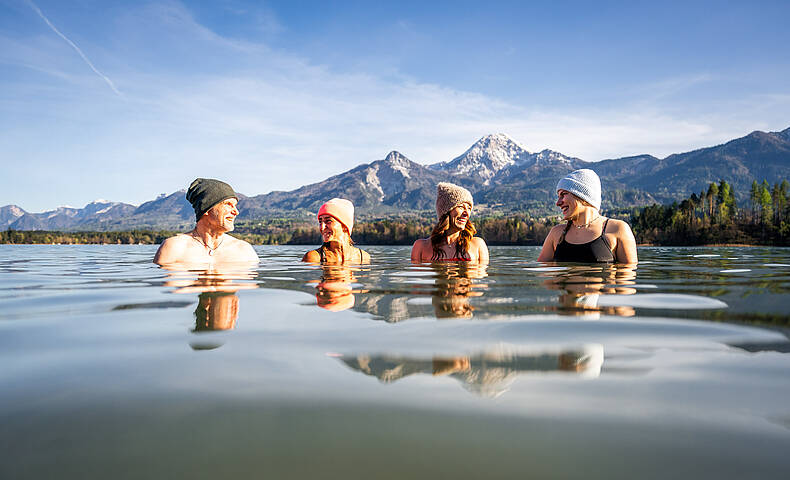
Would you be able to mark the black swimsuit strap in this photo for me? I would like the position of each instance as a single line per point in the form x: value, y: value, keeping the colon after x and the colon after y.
x: 564, y: 232
x: 570, y: 223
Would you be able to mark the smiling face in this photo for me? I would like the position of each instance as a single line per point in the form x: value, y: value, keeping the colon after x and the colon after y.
x: 459, y: 216
x: 569, y: 204
x: 331, y: 229
x: 222, y: 215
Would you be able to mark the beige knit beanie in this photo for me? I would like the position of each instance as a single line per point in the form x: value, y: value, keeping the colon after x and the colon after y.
x: 449, y: 195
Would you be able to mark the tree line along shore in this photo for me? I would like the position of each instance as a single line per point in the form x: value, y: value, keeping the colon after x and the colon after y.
x: 709, y: 217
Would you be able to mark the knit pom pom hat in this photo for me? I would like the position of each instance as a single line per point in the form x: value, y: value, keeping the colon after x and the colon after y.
x: 449, y: 195
x: 585, y: 184
x: 341, y: 209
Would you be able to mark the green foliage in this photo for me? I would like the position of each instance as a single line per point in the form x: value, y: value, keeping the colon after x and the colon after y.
x: 146, y: 237
x: 714, y: 218
x: 510, y: 230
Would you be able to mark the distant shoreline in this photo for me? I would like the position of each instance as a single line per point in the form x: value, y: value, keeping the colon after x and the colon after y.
x: 712, y: 245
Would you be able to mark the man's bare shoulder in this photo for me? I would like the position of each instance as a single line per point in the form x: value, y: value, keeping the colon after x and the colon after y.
x: 179, y: 239
x: 172, y: 248
x: 235, y: 242
x: 241, y: 248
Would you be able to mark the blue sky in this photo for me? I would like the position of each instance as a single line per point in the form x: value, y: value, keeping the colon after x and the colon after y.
x: 127, y: 100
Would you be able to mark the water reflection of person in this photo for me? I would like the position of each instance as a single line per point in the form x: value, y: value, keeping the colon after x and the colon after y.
x: 454, y: 287
x: 582, y: 286
x: 490, y: 373
x: 218, y: 304
x: 333, y: 291
x: 216, y: 311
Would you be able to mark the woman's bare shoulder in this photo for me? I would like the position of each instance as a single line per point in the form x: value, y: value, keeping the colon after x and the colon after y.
x: 312, y: 256
x: 422, y: 242
x: 365, y: 256
x: 557, y: 230
x: 615, y: 226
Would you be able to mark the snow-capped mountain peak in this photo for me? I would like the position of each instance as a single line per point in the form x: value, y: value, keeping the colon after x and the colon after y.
x: 487, y: 156
x: 399, y: 163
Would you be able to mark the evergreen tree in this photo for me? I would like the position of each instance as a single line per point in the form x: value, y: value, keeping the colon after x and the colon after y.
x: 754, y: 198
x: 711, y: 197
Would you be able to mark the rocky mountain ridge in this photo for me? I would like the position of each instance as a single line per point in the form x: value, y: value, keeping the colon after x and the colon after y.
x: 503, y: 176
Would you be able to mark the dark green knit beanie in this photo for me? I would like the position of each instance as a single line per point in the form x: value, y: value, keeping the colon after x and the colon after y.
x: 204, y: 193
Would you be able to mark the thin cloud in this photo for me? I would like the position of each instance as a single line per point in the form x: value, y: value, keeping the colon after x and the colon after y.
x: 75, y: 47
x: 265, y: 118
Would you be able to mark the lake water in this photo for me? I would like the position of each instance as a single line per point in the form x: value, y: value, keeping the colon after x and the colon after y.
x: 115, y: 368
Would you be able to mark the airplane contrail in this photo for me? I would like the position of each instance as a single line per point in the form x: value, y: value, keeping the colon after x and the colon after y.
x: 75, y: 47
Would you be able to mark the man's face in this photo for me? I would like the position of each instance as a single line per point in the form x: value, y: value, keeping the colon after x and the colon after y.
x: 222, y: 215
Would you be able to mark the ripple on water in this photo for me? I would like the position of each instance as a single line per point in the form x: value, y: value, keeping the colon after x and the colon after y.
x: 672, y: 301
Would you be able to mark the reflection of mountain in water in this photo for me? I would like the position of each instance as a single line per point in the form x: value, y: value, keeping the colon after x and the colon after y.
x: 488, y: 374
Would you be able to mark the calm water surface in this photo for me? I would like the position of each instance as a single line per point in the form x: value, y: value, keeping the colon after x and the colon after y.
x: 115, y: 368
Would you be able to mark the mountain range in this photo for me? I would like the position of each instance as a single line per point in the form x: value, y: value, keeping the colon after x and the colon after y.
x: 503, y: 176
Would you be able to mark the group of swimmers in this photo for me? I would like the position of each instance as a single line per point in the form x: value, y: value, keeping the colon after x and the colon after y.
x: 587, y: 236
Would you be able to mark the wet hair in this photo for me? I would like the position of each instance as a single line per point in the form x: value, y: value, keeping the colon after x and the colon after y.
x: 581, y: 200
x: 439, y: 234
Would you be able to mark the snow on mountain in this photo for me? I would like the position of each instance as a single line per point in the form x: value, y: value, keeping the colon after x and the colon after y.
x: 373, y: 183
x: 9, y: 214
x: 399, y: 163
x: 486, y: 157
x: 496, y: 169
x: 550, y: 157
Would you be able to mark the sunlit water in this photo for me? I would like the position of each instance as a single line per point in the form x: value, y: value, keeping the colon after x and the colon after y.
x: 115, y: 368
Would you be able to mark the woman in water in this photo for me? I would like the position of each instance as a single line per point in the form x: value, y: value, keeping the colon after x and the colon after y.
x: 453, y: 237
x: 335, y: 221
x: 587, y: 237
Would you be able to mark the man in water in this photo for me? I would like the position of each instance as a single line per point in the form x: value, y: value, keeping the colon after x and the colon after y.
x: 208, y: 243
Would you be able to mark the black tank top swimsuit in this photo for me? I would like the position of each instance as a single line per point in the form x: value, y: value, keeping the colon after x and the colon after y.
x: 320, y: 251
x: 596, y: 251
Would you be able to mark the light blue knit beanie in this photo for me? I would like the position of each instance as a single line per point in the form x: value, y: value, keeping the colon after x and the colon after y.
x: 585, y: 184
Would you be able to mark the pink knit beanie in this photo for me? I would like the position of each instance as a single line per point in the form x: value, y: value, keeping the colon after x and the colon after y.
x: 341, y: 209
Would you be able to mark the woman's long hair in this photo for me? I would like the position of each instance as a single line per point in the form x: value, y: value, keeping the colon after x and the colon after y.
x: 439, y: 234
